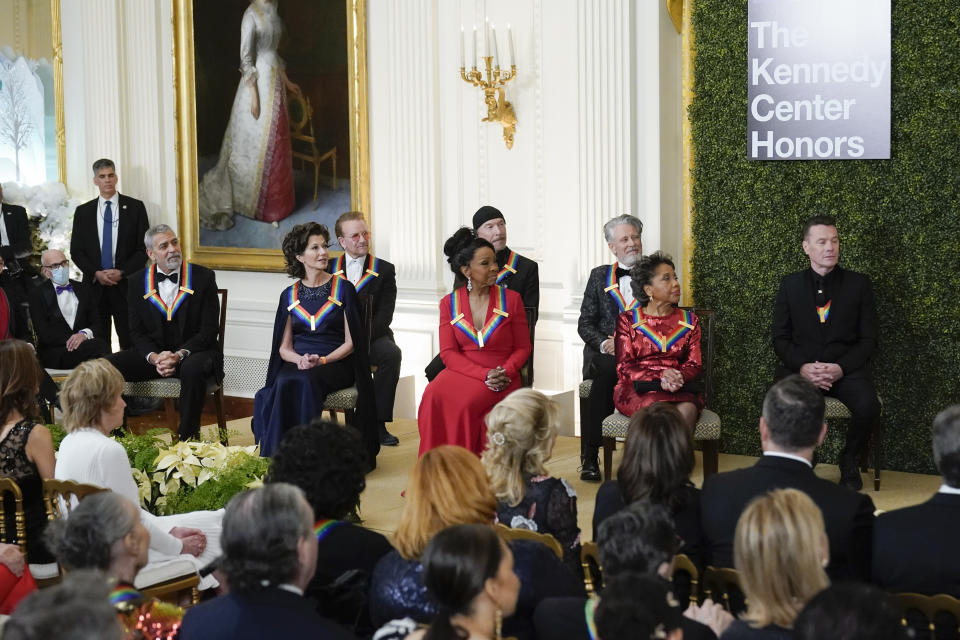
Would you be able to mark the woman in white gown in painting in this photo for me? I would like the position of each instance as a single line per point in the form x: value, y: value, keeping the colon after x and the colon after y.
x: 254, y: 173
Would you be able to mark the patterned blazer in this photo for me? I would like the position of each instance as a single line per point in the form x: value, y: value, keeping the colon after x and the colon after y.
x: 598, y: 314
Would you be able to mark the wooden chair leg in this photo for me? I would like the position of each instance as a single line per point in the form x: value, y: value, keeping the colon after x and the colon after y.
x: 609, y: 445
x: 171, y: 413
x: 333, y: 416
x: 711, y: 457
x: 221, y: 421
x: 348, y: 416
x: 877, y: 438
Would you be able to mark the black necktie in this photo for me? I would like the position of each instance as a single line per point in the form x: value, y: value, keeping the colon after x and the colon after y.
x: 173, y: 277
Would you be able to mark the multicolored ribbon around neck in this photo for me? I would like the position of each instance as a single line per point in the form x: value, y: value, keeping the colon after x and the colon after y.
x: 151, y: 293
x: 824, y: 312
x: 324, y: 527
x: 613, y: 288
x: 499, y: 295
x: 369, y: 273
x: 663, y: 342
x: 509, y: 267
x: 589, y: 609
x: 124, y: 593
x: 335, y: 299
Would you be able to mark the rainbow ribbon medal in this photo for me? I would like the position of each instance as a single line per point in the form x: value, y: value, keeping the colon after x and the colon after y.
x: 509, y: 267
x: 589, y: 609
x: 124, y: 594
x: 151, y: 294
x: 663, y: 342
x: 323, y: 528
x: 335, y: 299
x: 499, y: 313
x: 338, y: 269
x: 824, y: 312
x: 371, y: 272
x: 613, y: 288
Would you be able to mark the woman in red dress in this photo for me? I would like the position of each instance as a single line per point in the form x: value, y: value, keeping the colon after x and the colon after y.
x: 483, y: 343
x: 658, y: 345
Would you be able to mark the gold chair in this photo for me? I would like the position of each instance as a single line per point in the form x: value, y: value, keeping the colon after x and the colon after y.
x: 683, y: 564
x: 59, y: 495
x: 8, y: 486
x: 509, y: 534
x: 722, y: 585
x: 304, y: 143
x: 590, y: 561
x: 929, y: 607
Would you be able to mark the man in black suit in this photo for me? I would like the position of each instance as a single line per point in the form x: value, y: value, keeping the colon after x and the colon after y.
x: 108, y: 259
x: 174, y: 320
x: 15, y: 242
x: 915, y: 549
x: 269, y: 556
x: 376, y: 278
x: 517, y: 272
x: 791, y: 427
x: 65, y: 318
x: 608, y: 294
x: 825, y: 329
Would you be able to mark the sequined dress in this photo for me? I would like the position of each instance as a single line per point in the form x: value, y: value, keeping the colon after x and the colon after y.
x: 15, y: 464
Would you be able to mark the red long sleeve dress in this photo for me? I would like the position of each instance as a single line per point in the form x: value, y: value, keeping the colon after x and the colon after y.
x: 455, y: 403
x: 646, y: 345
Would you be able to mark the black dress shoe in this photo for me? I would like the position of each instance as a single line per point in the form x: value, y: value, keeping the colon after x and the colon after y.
x: 387, y: 439
x: 850, y: 475
x: 590, y: 469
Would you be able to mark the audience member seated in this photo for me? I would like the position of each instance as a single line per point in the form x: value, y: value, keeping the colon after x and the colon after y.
x: 521, y: 432
x: 269, y: 556
x: 327, y: 462
x: 850, y: 611
x: 104, y: 532
x: 791, y: 427
x: 76, y: 609
x: 780, y: 551
x: 639, y: 539
x: 448, y: 486
x: 468, y: 572
x: 318, y: 347
x: 484, y: 341
x: 65, y: 316
x: 915, y: 549
x: 26, y: 448
x: 635, y: 605
x: 92, y: 408
x: 658, y: 345
x: 656, y: 466
x: 174, y: 314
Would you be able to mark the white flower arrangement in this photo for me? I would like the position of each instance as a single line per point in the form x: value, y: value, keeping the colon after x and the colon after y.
x: 51, y: 204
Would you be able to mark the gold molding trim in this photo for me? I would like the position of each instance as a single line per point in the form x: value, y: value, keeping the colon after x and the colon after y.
x: 57, y: 41
x: 186, y: 141
x: 675, y: 9
x: 686, y: 98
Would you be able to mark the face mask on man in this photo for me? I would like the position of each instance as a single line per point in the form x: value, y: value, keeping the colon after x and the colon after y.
x: 60, y: 275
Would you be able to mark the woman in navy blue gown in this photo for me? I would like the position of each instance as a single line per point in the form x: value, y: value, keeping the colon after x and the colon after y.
x: 318, y: 345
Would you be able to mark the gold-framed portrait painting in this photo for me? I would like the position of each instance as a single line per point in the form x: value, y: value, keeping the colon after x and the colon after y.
x: 271, y: 123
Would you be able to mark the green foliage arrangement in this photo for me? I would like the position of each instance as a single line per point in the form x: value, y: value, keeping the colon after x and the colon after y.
x: 898, y: 222
x: 241, y: 472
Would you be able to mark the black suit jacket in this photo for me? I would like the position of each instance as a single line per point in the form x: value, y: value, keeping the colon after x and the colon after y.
x: 526, y: 281
x: 198, y: 318
x: 18, y: 231
x: 598, y: 316
x: 565, y: 619
x: 848, y: 515
x: 48, y: 321
x: 272, y: 613
x: 382, y: 290
x: 129, y: 254
x: 915, y: 549
x: 849, y: 336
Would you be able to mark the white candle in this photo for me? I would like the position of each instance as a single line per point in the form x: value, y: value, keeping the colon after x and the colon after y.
x: 493, y: 33
x: 461, y: 47
x: 513, y: 56
x: 486, y: 30
x: 474, y: 58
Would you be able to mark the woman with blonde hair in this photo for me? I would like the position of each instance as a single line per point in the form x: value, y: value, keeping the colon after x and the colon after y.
x: 449, y: 486
x: 521, y: 432
x: 780, y: 550
x: 92, y: 408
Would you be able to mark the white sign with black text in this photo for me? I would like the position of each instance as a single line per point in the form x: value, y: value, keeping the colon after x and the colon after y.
x: 818, y: 79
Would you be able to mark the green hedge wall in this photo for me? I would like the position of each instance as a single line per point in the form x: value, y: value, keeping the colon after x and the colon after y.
x: 898, y: 222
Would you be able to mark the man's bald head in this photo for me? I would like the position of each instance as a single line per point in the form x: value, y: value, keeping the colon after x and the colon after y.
x: 51, y: 257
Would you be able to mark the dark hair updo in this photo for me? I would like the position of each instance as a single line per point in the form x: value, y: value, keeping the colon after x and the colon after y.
x: 295, y: 243
x: 460, y: 248
x: 456, y: 566
x: 642, y: 273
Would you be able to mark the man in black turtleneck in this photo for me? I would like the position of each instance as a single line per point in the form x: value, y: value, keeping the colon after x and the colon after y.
x: 517, y: 272
x: 825, y: 329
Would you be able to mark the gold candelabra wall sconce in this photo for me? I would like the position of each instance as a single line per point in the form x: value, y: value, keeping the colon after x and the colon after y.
x: 492, y: 80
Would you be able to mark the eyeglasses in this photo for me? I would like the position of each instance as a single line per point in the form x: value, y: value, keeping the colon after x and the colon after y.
x: 363, y: 234
x: 57, y: 265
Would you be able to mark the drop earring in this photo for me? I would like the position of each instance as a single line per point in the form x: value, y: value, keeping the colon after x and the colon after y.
x: 497, y: 624
x: 469, y: 285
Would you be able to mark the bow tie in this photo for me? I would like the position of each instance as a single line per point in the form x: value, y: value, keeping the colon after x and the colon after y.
x: 173, y: 277
x: 66, y: 287
x: 622, y: 272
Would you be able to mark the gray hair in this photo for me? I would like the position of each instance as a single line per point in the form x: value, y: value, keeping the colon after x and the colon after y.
x: 946, y: 444
x: 76, y: 609
x: 103, y: 163
x: 794, y: 411
x: 261, y: 529
x: 638, y: 538
x: 154, y: 230
x: 85, y: 540
x: 624, y: 219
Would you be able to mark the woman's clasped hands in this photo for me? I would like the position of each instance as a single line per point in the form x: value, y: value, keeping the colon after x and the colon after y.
x: 497, y: 379
x: 308, y: 361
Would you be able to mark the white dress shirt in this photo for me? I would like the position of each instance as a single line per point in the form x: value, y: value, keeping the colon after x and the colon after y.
x: 4, y: 238
x: 945, y: 488
x: 67, y: 301
x: 168, y: 289
x: 789, y: 456
x: 626, y: 289
x: 115, y: 216
x: 354, y: 267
